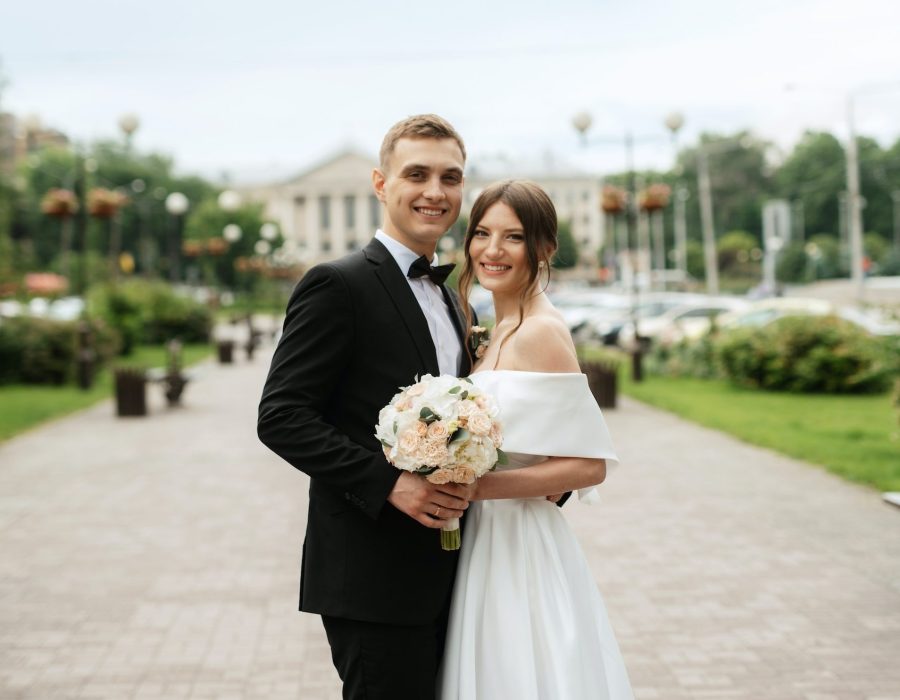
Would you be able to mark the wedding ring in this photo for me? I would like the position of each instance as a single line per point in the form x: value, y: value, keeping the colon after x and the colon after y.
x: 437, y: 512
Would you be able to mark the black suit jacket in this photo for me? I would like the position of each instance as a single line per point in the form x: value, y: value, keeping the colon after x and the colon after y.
x: 353, y: 335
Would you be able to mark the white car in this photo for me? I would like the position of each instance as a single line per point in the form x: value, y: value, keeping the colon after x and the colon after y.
x: 766, y: 311
x: 685, y: 321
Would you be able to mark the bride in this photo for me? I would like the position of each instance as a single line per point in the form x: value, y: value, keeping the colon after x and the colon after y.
x: 527, y: 621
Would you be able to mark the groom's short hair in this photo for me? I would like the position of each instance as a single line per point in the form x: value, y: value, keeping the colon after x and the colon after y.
x: 419, y: 126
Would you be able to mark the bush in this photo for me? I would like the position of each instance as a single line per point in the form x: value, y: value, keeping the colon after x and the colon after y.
x: 150, y: 312
x: 44, y: 351
x: 734, y: 249
x: 808, y: 354
x: 686, y: 358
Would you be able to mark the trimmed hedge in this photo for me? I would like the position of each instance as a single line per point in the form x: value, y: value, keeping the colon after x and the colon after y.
x: 44, y: 351
x: 806, y: 354
x: 150, y: 313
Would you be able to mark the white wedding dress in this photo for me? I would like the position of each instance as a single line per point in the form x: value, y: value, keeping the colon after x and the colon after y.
x: 527, y: 621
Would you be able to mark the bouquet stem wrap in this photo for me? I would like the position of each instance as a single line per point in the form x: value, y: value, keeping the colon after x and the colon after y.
x: 450, y: 537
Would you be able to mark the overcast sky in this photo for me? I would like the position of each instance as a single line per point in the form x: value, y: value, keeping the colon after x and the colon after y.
x: 268, y: 89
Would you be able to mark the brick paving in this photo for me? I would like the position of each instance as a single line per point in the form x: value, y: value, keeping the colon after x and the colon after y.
x: 158, y: 558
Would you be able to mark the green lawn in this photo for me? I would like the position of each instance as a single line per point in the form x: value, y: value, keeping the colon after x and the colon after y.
x: 24, y: 406
x: 857, y: 437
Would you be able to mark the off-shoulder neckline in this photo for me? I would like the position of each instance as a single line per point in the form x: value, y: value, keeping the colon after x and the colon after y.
x: 525, y: 371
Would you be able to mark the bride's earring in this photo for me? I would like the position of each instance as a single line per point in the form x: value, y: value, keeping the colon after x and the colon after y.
x: 541, y: 263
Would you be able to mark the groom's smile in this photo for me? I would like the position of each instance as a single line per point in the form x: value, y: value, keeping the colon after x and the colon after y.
x: 421, y: 189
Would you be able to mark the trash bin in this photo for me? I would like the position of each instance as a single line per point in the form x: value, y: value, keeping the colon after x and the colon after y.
x: 131, y: 392
x: 603, y: 381
x: 226, y: 351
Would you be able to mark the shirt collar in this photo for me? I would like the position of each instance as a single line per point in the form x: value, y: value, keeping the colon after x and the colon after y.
x: 401, y: 254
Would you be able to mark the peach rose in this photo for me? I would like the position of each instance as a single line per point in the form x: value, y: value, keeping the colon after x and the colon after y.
x: 434, y: 452
x: 403, y: 405
x: 464, y: 474
x: 438, y: 431
x: 480, y: 424
x: 441, y: 476
x: 421, y: 428
x: 496, y: 436
x: 409, y: 442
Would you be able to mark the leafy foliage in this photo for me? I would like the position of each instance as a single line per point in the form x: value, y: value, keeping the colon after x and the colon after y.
x: 806, y: 354
x: 44, y: 351
x: 567, y: 253
x: 150, y: 312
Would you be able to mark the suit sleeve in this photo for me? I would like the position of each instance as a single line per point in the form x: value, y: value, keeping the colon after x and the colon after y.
x: 308, y: 364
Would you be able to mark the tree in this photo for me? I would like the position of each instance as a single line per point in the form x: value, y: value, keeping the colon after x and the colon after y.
x: 567, y: 253
x: 815, y: 174
x: 207, y: 220
x: 741, y: 181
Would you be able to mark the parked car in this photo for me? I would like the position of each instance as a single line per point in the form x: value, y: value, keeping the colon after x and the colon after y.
x: 764, y: 312
x: 649, y: 306
x: 686, y: 321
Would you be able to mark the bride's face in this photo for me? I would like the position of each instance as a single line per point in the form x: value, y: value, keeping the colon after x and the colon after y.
x: 498, y: 251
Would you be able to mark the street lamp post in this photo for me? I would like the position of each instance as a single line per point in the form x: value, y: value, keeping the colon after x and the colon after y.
x: 674, y: 122
x: 129, y: 123
x: 854, y: 205
x: 582, y: 123
x: 711, y: 263
x: 895, y: 197
x: 177, y: 205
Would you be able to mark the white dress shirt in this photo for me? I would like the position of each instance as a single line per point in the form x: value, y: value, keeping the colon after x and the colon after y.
x: 431, y: 300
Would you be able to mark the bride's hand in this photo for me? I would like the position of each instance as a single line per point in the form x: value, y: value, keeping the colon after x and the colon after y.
x: 554, y: 498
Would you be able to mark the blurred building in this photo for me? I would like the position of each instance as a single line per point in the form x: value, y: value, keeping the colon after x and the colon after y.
x: 21, y: 136
x: 330, y: 209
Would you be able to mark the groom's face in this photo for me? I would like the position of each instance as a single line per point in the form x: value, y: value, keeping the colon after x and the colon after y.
x: 421, y: 189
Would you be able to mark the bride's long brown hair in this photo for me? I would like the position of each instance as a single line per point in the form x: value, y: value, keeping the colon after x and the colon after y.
x: 534, y: 208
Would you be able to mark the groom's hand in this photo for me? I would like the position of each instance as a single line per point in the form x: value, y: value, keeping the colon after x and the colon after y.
x: 430, y: 504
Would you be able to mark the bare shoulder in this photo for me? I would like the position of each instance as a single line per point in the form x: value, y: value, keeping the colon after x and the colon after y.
x: 543, y: 344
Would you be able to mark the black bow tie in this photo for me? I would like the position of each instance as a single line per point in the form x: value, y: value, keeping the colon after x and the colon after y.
x: 437, y: 274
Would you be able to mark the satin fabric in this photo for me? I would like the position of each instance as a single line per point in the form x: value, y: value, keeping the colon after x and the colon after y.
x: 527, y: 620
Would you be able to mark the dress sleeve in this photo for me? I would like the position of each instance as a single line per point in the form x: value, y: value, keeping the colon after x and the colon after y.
x: 553, y: 415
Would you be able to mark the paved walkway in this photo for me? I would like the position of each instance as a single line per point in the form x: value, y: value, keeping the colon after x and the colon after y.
x: 158, y: 558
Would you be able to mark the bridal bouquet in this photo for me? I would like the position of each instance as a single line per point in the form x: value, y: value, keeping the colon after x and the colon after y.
x: 446, y: 429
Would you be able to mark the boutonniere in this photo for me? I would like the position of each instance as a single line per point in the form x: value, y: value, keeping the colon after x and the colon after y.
x: 479, y: 339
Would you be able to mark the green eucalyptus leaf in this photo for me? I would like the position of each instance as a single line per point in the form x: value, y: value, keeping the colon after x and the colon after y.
x: 461, y: 434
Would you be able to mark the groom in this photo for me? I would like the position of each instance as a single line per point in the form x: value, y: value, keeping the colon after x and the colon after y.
x: 357, y: 329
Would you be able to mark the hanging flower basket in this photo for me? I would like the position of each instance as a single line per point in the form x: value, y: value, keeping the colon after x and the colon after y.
x: 216, y: 246
x: 613, y: 199
x: 103, y: 203
x: 59, y: 203
x: 192, y: 249
x: 655, y: 197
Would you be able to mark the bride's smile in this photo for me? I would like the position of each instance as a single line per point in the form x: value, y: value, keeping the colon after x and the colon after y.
x: 498, y: 251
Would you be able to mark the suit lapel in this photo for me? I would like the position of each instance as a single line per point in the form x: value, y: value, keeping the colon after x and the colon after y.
x: 404, y: 300
x: 459, y: 320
